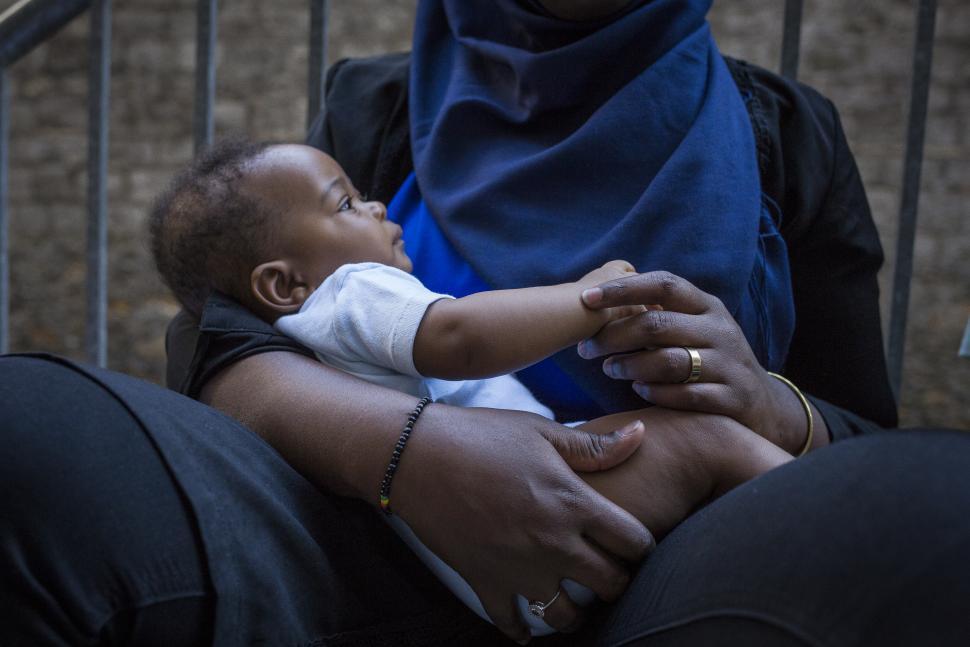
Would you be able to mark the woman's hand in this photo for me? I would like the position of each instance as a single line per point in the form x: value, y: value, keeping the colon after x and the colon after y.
x: 491, y: 492
x: 653, y: 346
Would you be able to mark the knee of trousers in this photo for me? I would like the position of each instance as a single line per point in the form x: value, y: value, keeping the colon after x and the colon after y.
x: 864, y: 542
x: 93, y: 523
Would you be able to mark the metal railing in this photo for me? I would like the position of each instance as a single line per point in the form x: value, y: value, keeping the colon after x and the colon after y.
x: 29, y: 22
x: 912, y: 165
x: 206, y: 32
x: 22, y: 27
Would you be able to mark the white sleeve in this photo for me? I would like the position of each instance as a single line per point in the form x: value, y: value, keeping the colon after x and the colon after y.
x: 365, y: 312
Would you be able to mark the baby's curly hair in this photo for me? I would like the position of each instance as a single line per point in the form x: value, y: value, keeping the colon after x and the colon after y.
x: 206, y: 232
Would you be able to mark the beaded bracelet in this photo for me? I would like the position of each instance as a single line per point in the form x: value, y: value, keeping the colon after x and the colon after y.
x: 808, y: 411
x: 385, y: 493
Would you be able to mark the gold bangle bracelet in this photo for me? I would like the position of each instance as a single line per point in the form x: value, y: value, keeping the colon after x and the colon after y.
x: 806, y: 406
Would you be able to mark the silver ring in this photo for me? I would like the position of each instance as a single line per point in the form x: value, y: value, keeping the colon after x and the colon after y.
x: 538, y: 609
x: 695, y: 365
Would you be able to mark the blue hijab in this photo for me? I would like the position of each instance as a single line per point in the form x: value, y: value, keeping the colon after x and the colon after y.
x: 544, y: 148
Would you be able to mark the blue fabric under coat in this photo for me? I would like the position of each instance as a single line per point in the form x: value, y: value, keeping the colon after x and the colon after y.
x: 439, y: 266
x: 544, y: 148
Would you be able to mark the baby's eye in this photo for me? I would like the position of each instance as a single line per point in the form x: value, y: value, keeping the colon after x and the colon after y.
x: 346, y: 204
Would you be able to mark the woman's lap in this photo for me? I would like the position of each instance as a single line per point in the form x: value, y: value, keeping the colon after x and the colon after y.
x: 97, y: 542
x: 860, y: 543
x: 103, y: 536
x: 864, y: 542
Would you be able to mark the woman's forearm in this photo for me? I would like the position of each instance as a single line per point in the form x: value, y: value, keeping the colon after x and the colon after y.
x: 336, y: 430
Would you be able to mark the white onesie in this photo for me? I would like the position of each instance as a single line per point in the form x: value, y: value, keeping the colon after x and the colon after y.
x: 363, y: 319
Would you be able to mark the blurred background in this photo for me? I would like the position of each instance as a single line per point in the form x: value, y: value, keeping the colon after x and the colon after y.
x: 859, y: 54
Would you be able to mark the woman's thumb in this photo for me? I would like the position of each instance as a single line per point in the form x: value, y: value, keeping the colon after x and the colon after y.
x: 585, y: 451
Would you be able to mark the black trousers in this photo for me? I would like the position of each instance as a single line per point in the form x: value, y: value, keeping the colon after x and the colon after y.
x: 863, y: 543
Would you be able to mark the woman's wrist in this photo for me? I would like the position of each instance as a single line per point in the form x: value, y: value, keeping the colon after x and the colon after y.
x: 384, y: 495
x: 428, y: 436
x: 792, y: 421
x: 363, y: 461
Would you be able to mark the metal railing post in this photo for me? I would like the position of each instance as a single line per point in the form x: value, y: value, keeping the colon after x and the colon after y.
x: 27, y: 23
x: 4, y: 229
x: 99, y: 85
x: 791, y: 38
x: 915, y: 134
x: 205, y: 71
x: 318, y: 59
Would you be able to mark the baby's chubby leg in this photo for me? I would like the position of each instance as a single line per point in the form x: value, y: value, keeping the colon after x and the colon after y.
x: 686, y: 460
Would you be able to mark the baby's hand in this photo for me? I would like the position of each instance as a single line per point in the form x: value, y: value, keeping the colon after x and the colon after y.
x: 609, y: 272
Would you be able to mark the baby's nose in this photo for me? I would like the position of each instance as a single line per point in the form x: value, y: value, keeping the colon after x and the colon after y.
x: 378, y: 210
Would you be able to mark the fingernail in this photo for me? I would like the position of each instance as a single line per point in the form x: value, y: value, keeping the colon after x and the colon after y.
x: 612, y: 368
x: 642, y: 390
x: 630, y: 429
x: 582, y: 348
x: 592, y: 296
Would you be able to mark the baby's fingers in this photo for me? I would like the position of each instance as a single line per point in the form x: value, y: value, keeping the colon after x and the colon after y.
x: 651, y: 328
x: 622, y: 312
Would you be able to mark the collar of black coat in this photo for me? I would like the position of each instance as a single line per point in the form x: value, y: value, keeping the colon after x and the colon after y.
x: 222, y: 313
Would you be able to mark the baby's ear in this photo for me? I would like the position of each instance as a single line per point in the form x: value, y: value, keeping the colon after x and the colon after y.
x: 275, y: 286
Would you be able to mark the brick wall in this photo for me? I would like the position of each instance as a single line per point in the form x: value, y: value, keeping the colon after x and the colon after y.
x: 856, y: 53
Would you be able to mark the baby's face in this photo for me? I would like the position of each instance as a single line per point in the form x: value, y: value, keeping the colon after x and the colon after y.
x: 326, y: 223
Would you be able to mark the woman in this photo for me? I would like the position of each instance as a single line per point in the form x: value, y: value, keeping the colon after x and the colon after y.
x: 509, y: 100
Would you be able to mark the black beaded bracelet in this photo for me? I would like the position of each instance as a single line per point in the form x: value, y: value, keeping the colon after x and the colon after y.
x: 385, y: 493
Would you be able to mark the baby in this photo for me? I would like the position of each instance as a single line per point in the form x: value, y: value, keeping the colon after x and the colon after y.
x: 283, y: 231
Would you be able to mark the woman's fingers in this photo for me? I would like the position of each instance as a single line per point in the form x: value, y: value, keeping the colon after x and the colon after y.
x: 652, y: 329
x: 618, y: 533
x: 666, y: 366
x: 661, y: 288
x: 704, y: 397
x: 602, y: 574
x: 563, y: 614
x: 504, y: 612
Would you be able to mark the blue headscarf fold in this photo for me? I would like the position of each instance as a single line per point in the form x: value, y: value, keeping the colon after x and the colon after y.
x: 544, y: 147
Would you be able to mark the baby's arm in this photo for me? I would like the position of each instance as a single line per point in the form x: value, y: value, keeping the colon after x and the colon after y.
x: 685, y: 460
x: 501, y: 331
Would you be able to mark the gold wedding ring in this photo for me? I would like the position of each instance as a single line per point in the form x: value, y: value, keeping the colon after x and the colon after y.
x: 695, y: 365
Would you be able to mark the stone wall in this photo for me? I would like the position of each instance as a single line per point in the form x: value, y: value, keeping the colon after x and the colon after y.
x: 856, y: 53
